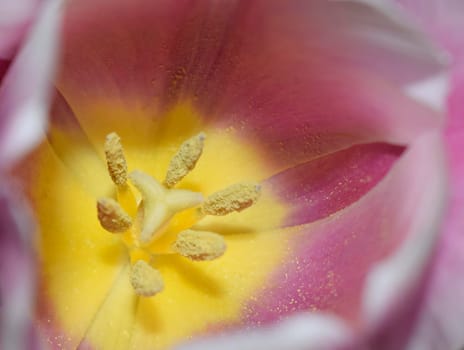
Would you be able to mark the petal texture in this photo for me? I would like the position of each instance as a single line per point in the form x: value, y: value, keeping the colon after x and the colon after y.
x: 321, y: 187
x: 310, y: 99
x: 441, y: 18
x: 441, y: 308
x: 332, y: 256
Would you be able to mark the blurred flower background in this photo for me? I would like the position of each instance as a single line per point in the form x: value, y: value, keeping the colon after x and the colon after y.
x: 347, y: 113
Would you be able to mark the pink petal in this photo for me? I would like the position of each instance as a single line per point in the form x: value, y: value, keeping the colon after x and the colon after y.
x: 439, y: 324
x: 4, y: 64
x: 279, y: 73
x: 444, y: 19
x: 394, y: 285
x: 332, y: 256
x: 15, y: 18
x: 24, y: 93
x: 17, y: 279
x: 325, y: 185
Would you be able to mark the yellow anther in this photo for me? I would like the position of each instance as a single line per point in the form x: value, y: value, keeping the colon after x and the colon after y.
x: 199, y: 245
x: 160, y: 204
x: 112, y: 217
x: 234, y: 198
x: 145, y: 280
x: 184, y: 160
x: 115, y: 160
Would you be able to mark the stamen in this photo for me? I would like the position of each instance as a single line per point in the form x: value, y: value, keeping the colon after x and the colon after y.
x: 112, y: 217
x: 199, y: 245
x: 184, y: 160
x: 234, y: 198
x: 145, y: 280
x: 115, y: 160
x: 155, y: 213
x: 160, y: 204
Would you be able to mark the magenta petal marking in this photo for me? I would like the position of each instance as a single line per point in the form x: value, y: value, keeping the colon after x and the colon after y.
x: 330, y: 258
x: 4, y: 64
x: 325, y: 185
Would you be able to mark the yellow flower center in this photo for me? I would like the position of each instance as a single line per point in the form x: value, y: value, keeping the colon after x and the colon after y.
x: 159, y: 203
x: 91, y: 287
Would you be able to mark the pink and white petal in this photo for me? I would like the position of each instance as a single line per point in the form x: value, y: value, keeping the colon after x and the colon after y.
x: 432, y: 91
x: 17, y: 273
x: 331, y: 257
x: 302, y: 332
x: 15, y: 17
x: 442, y: 310
x: 26, y: 87
x: 395, y: 285
x: 442, y: 314
x: 296, y: 94
x: 378, y: 36
x: 323, y: 186
x: 278, y: 73
x: 443, y: 19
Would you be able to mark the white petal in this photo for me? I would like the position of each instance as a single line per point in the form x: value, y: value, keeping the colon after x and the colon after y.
x: 301, y: 332
x: 26, y: 88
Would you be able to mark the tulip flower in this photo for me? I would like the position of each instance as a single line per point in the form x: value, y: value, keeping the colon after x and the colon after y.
x: 236, y: 174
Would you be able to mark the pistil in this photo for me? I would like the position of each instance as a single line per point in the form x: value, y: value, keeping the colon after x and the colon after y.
x: 160, y: 204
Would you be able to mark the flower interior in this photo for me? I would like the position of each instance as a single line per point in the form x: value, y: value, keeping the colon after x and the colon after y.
x: 158, y: 204
x: 214, y: 166
x: 154, y: 241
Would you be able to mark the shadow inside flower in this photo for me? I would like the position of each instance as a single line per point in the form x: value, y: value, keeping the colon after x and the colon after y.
x: 194, y: 276
x: 113, y: 254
